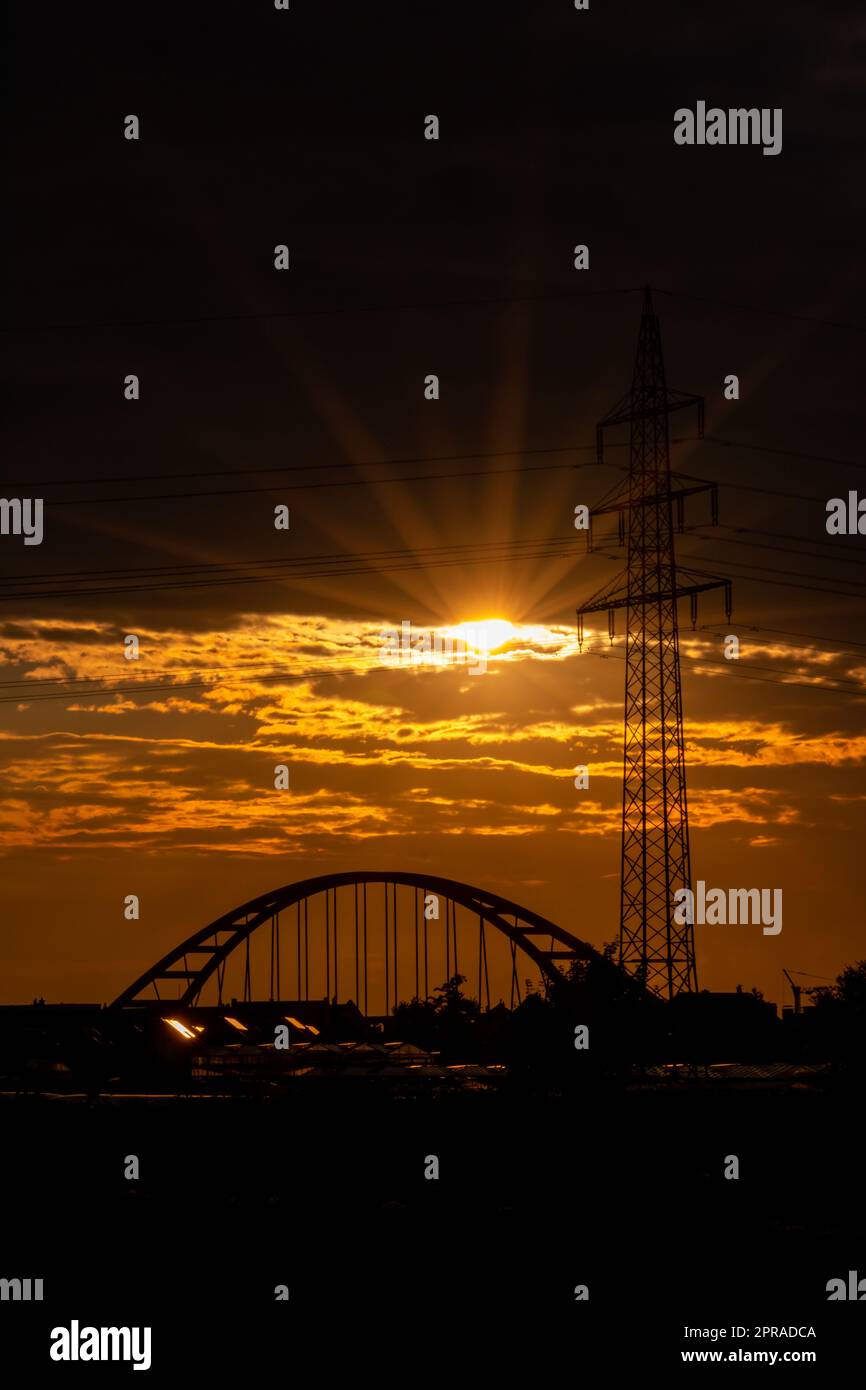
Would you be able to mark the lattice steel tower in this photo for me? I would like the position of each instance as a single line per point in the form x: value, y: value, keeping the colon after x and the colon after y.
x: 655, y: 823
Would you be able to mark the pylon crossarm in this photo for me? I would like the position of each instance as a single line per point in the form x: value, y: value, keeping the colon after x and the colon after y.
x: 653, y: 498
x: 637, y: 600
x: 626, y: 412
x: 625, y: 417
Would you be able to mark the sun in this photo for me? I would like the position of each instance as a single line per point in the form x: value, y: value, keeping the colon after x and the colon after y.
x: 485, y: 635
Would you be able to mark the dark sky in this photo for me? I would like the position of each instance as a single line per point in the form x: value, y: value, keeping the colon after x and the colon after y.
x: 408, y: 257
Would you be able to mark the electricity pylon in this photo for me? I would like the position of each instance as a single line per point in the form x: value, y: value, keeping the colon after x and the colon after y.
x: 655, y: 823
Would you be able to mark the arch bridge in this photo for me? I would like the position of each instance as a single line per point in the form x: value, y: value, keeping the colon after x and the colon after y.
x: 372, y: 937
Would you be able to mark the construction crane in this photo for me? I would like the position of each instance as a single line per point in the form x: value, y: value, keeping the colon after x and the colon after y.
x: 798, y: 990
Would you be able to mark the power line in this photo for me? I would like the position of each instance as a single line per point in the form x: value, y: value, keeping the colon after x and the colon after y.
x: 254, y: 669
x: 737, y: 672
x: 358, y: 311
x: 786, y: 453
x: 774, y: 569
x: 698, y: 531
x: 793, y: 646
x: 408, y: 478
x: 313, y: 487
x: 781, y: 549
x: 342, y: 571
x: 787, y: 632
x: 739, y: 665
x: 790, y: 584
x: 415, y: 552
x: 828, y: 541
x: 772, y: 670
x: 39, y: 682
x: 308, y: 467
x: 758, y: 311
x: 417, y: 459
x: 421, y: 306
x: 349, y: 568
x: 168, y: 690
x: 752, y: 487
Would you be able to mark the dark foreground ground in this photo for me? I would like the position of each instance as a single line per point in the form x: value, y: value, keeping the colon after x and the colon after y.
x: 398, y: 1278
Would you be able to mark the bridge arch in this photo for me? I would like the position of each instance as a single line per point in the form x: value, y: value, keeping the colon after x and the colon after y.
x: 196, y: 960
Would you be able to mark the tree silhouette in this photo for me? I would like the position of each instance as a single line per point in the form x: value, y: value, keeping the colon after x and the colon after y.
x: 444, y: 1022
x: 841, y: 1012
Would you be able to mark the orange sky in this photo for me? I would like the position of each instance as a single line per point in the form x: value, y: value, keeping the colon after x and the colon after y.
x: 306, y: 388
x: 427, y: 767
